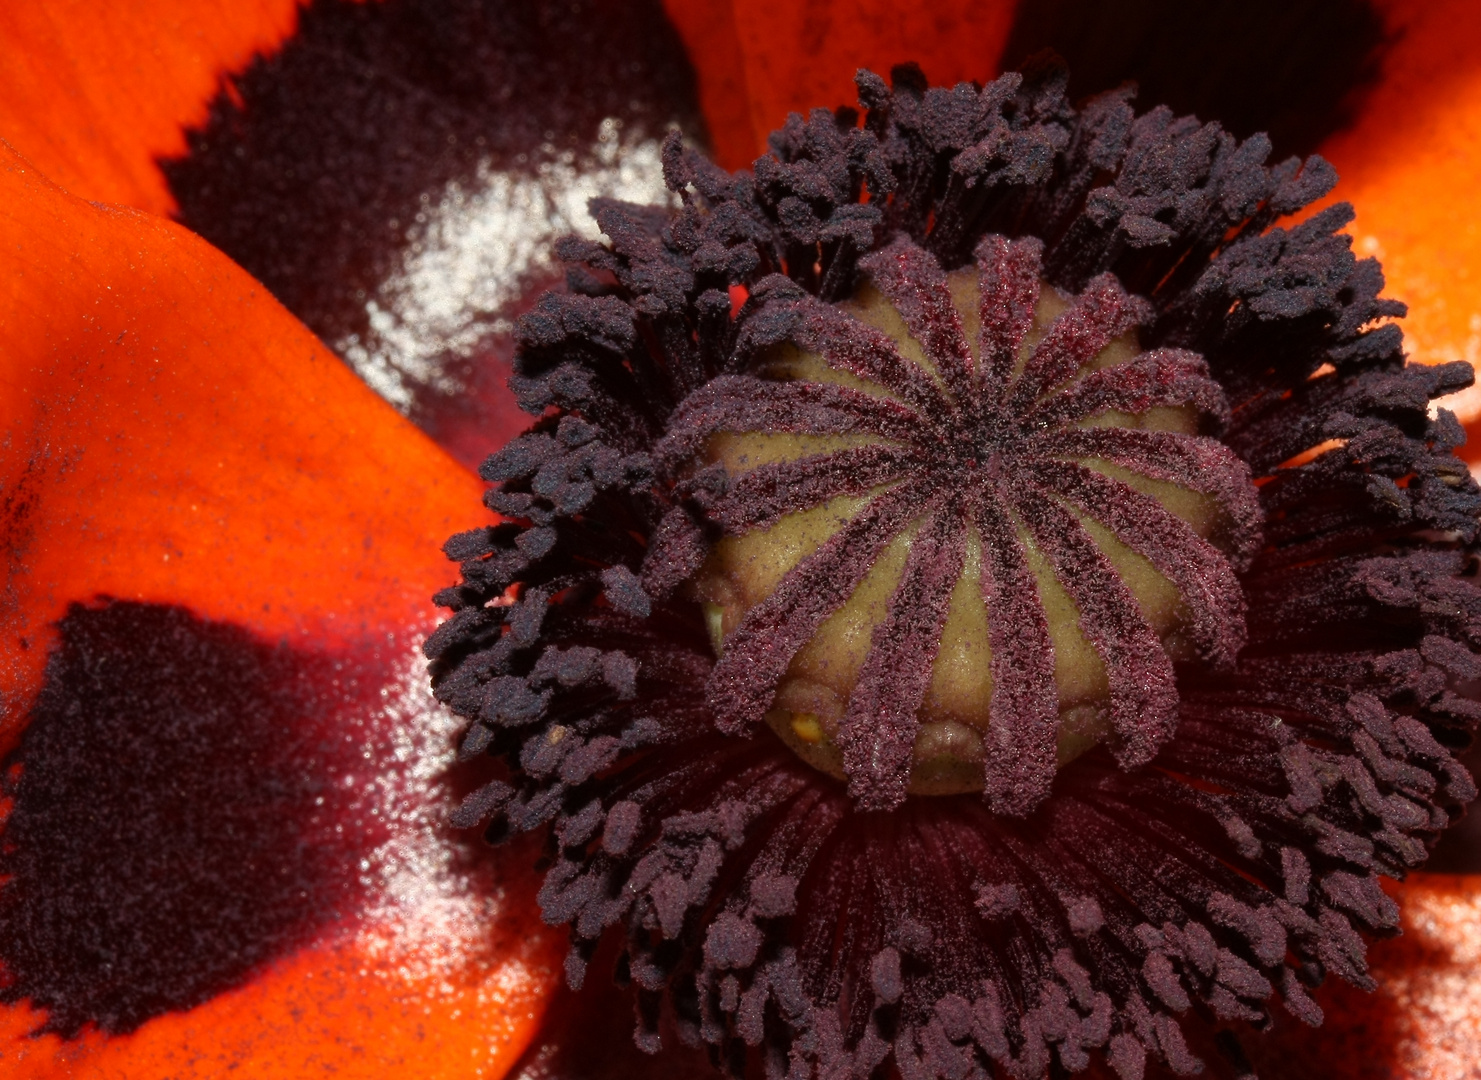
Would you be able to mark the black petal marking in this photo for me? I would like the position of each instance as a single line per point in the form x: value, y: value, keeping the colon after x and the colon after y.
x: 174, y: 821
x: 1313, y: 60
x: 315, y: 166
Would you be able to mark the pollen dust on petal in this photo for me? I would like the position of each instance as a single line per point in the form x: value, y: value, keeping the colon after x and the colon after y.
x: 446, y: 969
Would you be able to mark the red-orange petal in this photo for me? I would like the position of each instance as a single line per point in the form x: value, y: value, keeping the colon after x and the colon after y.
x: 93, y: 94
x: 1424, y: 1020
x: 758, y: 60
x: 353, y: 1009
x: 172, y: 435
x: 1411, y: 165
x: 707, y: 28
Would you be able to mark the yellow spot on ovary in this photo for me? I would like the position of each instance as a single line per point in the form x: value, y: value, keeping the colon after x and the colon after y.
x: 807, y: 728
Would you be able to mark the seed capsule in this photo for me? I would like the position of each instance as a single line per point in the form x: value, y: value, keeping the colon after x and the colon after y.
x: 971, y: 528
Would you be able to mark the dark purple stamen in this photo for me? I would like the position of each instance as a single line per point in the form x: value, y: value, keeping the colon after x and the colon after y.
x: 1223, y: 852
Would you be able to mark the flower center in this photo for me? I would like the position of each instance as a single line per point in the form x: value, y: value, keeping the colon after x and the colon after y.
x: 1026, y: 527
x: 951, y: 532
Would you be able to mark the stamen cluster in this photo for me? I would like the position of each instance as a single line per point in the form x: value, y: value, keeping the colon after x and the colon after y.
x: 1227, y: 854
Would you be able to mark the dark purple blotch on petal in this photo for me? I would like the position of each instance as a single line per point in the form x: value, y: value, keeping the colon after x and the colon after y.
x: 1292, y: 70
x: 319, y: 165
x: 179, y: 819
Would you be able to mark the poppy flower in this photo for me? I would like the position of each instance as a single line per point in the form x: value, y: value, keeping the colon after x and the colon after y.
x: 240, y: 863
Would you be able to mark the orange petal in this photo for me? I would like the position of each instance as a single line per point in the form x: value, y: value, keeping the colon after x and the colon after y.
x: 708, y: 30
x: 776, y: 57
x: 173, y: 435
x: 1425, y: 1018
x: 1411, y: 165
x: 93, y: 94
x: 359, y: 1009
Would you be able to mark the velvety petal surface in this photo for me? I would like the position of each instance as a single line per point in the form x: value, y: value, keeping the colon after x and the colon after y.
x: 176, y: 441
x: 779, y: 57
x: 340, y: 1009
x: 398, y: 173
x: 286, y: 484
x: 1411, y: 166
x: 1424, y: 1020
x: 174, y: 436
x: 93, y: 94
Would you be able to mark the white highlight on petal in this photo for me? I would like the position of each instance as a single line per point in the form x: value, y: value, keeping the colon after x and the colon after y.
x: 473, y: 251
x: 429, y: 915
